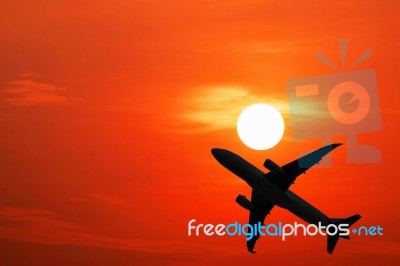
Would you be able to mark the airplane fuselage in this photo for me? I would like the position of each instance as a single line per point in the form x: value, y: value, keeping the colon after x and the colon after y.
x: 256, y: 180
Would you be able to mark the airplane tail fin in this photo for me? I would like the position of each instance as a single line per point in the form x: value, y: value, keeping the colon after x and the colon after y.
x: 332, y: 240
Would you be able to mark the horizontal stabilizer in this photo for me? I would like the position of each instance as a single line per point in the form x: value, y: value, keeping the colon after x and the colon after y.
x: 332, y: 240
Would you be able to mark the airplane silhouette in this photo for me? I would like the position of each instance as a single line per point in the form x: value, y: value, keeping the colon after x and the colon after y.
x: 272, y: 189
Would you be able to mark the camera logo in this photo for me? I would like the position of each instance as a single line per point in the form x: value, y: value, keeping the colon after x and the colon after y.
x: 357, y: 93
x: 338, y: 104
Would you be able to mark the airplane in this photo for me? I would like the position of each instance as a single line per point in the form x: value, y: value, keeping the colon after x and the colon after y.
x: 272, y: 189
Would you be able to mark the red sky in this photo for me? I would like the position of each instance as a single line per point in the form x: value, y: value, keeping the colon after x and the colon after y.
x: 109, y: 109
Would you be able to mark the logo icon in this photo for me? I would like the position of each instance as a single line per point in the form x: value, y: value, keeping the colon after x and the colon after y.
x: 338, y: 104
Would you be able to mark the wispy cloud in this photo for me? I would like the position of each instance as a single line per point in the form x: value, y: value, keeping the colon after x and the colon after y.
x: 102, y: 199
x: 381, y: 247
x: 44, y: 226
x: 29, y: 75
x: 218, y: 107
x: 28, y: 92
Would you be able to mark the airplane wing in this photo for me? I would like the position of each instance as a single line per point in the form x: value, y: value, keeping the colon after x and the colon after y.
x: 293, y: 169
x: 283, y: 181
x: 258, y: 214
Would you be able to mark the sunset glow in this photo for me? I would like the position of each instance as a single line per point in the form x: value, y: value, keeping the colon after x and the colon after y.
x: 109, y: 111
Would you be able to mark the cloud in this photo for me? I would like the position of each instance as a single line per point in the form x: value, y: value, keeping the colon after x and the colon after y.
x: 45, y: 227
x: 35, y: 225
x: 29, y: 75
x: 28, y: 92
x: 381, y: 247
x: 218, y: 107
x: 101, y: 198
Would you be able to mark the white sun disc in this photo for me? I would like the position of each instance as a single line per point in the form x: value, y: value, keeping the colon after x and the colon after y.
x: 260, y: 126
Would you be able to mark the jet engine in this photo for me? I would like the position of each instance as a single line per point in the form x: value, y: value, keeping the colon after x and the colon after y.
x: 245, y: 203
x: 273, y: 167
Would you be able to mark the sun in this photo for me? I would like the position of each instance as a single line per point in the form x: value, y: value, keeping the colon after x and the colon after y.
x: 260, y: 126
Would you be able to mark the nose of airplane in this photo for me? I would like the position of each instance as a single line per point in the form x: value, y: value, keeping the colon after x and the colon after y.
x: 216, y: 152
x: 220, y: 154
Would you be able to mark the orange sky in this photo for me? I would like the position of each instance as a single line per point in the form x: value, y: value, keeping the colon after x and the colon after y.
x: 109, y: 109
